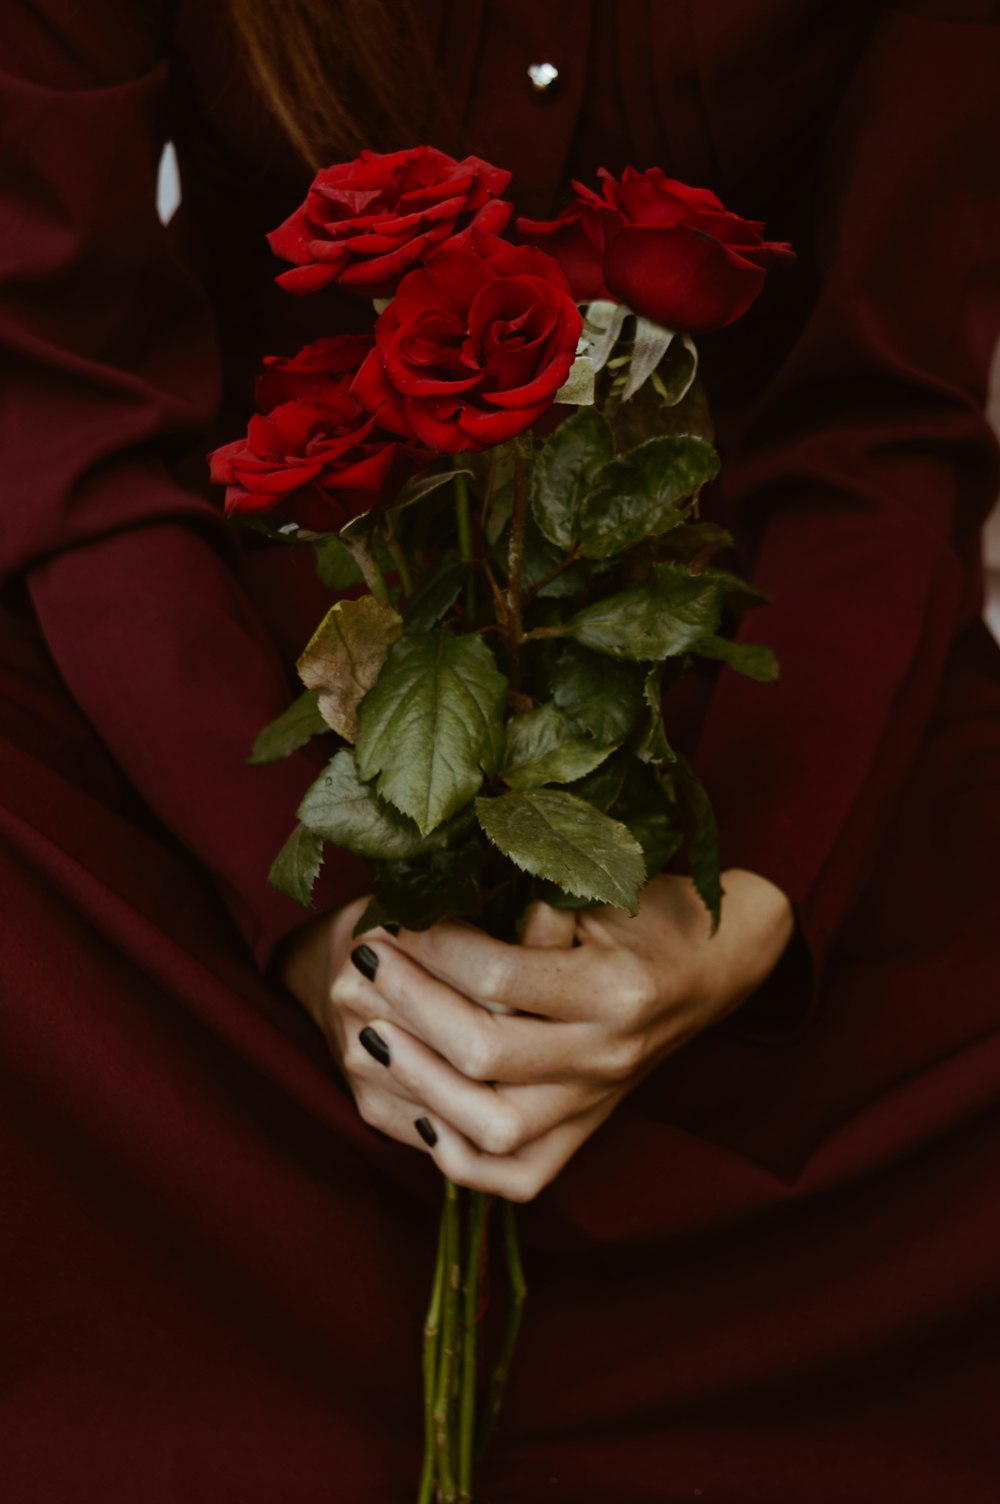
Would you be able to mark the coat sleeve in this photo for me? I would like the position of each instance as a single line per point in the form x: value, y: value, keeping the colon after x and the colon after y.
x: 869, y: 466
x: 109, y: 372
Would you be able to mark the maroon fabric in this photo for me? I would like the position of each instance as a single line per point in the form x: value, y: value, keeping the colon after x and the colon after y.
x: 771, y: 1278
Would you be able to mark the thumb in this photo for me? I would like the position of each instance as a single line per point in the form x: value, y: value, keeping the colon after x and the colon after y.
x: 547, y: 928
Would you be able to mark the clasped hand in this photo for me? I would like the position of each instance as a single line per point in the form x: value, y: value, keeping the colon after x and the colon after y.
x: 501, y: 1060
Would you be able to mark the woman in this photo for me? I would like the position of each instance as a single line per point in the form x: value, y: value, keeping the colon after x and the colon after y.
x: 769, y: 1276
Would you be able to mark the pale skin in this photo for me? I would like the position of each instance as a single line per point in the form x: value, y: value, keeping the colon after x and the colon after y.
x: 591, y: 1002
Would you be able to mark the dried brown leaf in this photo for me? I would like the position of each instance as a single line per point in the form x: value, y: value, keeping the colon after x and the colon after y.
x: 343, y: 657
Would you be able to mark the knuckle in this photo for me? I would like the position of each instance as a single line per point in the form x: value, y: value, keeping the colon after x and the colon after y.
x: 355, y: 1060
x: 621, y: 1057
x: 367, y: 1104
x: 525, y: 1186
x: 477, y: 1056
x: 496, y: 982
x: 503, y: 1133
x: 636, y: 992
x: 345, y: 990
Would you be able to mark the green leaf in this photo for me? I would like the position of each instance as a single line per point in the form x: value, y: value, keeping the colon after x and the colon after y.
x: 654, y: 746
x: 344, y: 655
x: 564, y: 472
x: 296, y: 867
x: 544, y: 747
x: 436, y: 592
x: 750, y: 658
x: 658, y: 834
x: 660, y: 620
x: 336, y: 564
x: 291, y: 730
x: 432, y: 725
x: 423, y: 485
x: 601, y: 787
x: 342, y: 809
x: 641, y: 494
x: 540, y: 559
x: 650, y: 813
x: 557, y: 836
x: 698, y: 540
x: 738, y: 593
x: 604, y: 700
x: 443, y: 884
x: 702, y: 835
x: 373, y: 917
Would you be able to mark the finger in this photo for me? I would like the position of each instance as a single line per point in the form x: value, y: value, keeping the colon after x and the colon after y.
x: 547, y: 928
x: 496, y: 1119
x: 552, y: 981
x: 482, y: 1045
x: 516, y: 1177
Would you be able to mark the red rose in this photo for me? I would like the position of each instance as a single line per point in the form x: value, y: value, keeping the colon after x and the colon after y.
x: 315, y: 370
x: 367, y: 222
x: 316, y: 462
x: 576, y: 240
x: 473, y: 347
x: 670, y: 252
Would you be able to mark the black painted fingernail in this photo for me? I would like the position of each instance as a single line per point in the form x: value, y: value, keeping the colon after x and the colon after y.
x: 425, y: 1128
x: 366, y: 961
x: 375, y: 1045
x: 391, y: 927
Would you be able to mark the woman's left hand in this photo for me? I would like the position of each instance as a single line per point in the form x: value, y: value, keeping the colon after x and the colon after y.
x: 596, y: 1000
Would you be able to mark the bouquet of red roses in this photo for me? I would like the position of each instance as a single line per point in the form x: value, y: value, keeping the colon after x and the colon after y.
x: 510, y: 463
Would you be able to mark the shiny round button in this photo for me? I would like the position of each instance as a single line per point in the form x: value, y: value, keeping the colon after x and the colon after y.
x: 542, y: 76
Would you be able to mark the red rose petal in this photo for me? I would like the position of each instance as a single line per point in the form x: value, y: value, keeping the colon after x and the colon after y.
x: 680, y: 279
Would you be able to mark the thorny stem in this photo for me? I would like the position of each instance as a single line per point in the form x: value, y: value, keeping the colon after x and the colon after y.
x: 464, y: 525
x: 449, y: 1339
x: 470, y: 1321
x: 491, y: 480
x: 462, y: 518
x: 432, y: 1334
x: 515, y: 560
x: 518, y: 1291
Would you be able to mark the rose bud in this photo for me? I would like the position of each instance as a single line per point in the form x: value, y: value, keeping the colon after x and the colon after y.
x: 672, y: 253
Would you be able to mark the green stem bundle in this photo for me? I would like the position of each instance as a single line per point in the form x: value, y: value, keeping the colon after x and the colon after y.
x: 451, y: 1346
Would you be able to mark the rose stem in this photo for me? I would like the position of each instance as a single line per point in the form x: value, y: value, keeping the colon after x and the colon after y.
x: 361, y: 552
x: 518, y: 1291
x: 466, y: 1446
x: 452, y: 1284
x: 464, y: 523
x: 515, y: 558
x: 432, y: 1333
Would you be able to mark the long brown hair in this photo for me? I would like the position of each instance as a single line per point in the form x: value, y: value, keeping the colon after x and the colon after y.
x: 338, y: 74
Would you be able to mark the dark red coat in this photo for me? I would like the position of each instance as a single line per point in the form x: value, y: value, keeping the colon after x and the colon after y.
x: 774, y: 1276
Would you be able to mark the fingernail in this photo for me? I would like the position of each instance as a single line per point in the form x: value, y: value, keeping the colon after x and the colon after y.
x: 425, y: 1128
x: 375, y: 1045
x: 366, y: 961
x: 391, y: 927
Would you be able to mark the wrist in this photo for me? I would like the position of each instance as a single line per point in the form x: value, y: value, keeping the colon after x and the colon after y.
x: 760, y: 920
